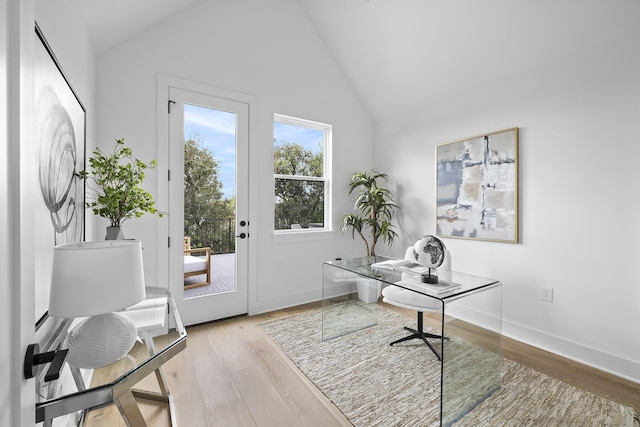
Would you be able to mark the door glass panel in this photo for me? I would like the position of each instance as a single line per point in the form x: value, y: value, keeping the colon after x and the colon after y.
x: 209, y: 201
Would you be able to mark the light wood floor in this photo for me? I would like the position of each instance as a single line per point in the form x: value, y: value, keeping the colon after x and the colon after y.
x: 231, y: 374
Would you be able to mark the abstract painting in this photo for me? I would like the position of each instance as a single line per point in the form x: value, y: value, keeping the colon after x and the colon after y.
x: 477, y: 187
x: 60, y: 152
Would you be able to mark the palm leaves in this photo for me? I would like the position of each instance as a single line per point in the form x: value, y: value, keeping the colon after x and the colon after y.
x: 375, y: 206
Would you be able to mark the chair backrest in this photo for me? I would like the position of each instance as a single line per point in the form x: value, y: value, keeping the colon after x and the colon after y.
x: 187, y: 243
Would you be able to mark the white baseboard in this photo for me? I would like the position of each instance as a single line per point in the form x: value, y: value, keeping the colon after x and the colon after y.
x: 266, y: 305
x: 332, y: 289
x: 586, y: 355
x: 607, y: 362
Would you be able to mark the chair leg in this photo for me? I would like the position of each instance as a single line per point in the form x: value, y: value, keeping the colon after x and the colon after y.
x: 420, y: 334
x: 426, y: 334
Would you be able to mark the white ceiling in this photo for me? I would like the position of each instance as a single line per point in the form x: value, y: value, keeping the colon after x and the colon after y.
x: 401, y: 54
x: 111, y: 22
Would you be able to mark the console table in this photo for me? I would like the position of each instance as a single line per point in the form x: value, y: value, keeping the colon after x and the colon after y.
x: 470, y: 317
x: 114, y: 383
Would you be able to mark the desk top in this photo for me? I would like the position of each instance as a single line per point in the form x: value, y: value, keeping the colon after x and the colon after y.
x: 69, y: 393
x: 362, y: 267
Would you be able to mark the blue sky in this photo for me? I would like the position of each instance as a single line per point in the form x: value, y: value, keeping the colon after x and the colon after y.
x: 310, y: 139
x: 217, y: 133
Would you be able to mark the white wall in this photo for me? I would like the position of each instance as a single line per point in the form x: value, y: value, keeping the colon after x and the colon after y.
x: 6, y: 314
x: 579, y: 125
x: 266, y: 49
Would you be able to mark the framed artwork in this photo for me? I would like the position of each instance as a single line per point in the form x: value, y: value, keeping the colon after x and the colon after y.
x: 60, y: 155
x: 477, y: 187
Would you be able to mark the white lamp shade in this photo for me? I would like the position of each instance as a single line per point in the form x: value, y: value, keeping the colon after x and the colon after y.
x: 91, y: 278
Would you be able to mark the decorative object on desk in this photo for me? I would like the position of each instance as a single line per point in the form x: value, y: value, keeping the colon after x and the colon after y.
x: 477, y: 187
x: 429, y: 251
x: 441, y: 289
x: 375, y: 206
x: 115, y: 187
x: 402, y: 387
x: 391, y: 264
x: 95, y: 279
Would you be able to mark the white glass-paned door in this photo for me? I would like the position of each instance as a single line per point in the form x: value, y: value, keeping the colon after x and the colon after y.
x: 208, y: 205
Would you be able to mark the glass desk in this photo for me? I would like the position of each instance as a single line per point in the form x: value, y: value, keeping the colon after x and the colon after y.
x: 470, y: 318
x: 114, y: 383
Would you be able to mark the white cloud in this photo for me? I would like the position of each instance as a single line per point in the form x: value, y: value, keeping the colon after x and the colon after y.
x: 211, y: 119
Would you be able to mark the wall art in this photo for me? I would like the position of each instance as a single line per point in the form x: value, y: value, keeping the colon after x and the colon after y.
x: 477, y: 187
x: 60, y: 155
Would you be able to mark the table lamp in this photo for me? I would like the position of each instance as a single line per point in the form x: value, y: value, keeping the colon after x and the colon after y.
x: 95, y: 279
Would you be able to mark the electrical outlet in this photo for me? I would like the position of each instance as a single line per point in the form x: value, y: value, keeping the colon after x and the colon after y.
x: 546, y: 294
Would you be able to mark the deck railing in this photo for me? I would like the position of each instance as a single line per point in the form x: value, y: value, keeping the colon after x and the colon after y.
x: 216, y: 233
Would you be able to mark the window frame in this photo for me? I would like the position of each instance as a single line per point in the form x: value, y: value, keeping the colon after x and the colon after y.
x: 327, y: 130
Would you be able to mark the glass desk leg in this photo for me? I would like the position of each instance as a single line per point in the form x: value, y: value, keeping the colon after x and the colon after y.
x: 349, y: 302
x: 472, y: 358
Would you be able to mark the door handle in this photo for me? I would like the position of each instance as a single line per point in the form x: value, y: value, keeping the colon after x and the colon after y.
x: 32, y: 358
x: 242, y: 235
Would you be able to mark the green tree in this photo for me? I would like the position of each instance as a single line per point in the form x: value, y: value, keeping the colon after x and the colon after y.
x: 206, y: 214
x: 297, y: 201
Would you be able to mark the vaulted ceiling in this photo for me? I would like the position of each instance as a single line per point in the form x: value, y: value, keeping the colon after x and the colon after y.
x: 112, y: 22
x: 401, y: 54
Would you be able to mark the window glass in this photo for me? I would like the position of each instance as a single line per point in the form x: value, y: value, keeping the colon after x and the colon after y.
x: 300, y: 173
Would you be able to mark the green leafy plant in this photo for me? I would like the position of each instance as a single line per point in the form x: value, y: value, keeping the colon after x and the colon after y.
x: 375, y: 206
x: 115, y: 180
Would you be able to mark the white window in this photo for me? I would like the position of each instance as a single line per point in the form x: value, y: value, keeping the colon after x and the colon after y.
x: 301, y: 174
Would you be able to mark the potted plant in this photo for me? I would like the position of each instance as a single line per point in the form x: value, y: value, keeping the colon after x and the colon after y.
x: 114, y: 182
x: 375, y: 206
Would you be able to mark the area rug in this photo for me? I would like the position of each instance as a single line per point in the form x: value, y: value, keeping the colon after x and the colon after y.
x: 374, y: 384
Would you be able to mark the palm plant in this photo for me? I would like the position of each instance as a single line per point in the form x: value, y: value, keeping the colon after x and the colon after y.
x: 375, y: 206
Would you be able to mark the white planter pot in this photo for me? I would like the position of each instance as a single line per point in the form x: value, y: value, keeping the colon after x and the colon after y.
x: 368, y: 290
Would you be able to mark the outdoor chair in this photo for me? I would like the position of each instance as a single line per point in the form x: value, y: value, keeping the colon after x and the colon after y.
x: 196, y: 265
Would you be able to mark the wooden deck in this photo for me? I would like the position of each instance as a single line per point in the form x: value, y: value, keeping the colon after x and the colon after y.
x: 222, y: 277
